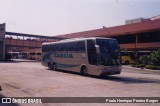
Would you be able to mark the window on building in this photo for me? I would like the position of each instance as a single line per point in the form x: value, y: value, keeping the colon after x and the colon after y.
x: 124, y: 39
x: 149, y: 37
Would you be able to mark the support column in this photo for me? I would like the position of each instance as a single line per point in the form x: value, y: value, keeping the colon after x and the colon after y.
x: 2, y: 41
x: 136, y: 46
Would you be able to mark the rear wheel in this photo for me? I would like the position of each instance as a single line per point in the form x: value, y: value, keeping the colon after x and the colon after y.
x: 50, y: 66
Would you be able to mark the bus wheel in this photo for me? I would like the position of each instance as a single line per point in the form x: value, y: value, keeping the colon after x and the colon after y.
x: 50, y: 66
x: 84, y: 71
x: 54, y: 66
x: 126, y: 62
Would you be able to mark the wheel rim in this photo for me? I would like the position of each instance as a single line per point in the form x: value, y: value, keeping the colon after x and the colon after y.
x: 85, y: 71
x: 54, y: 67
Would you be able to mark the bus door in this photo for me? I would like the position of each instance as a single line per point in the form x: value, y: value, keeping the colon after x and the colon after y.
x: 92, y: 56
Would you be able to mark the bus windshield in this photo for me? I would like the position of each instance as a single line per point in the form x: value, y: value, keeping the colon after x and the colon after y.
x: 109, y: 52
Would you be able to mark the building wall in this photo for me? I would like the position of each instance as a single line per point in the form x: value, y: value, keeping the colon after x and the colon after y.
x: 135, y: 36
x: 2, y: 41
x: 23, y: 43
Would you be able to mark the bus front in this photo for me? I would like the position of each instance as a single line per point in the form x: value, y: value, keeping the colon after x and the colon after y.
x: 109, y: 57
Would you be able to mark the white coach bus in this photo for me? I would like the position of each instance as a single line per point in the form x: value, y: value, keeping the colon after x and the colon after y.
x: 94, y: 56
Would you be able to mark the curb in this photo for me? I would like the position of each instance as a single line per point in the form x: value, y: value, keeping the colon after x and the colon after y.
x: 141, y: 70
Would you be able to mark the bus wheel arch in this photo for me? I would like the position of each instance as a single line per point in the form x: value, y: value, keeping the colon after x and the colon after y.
x: 126, y: 62
x: 84, y: 70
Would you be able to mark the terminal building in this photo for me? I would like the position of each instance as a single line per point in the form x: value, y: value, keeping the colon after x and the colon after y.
x: 13, y: 42
x: 136, y: 35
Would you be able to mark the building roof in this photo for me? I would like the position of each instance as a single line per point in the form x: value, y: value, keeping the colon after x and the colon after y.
x: 31, y: 35
x: 134, y: 28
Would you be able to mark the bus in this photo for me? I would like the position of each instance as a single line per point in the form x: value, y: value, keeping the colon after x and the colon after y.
x: 14, y: 55
x: 23, y: 55
x: 35, y: 55
x: 128, y: 57
x: 18, y: 55
x: 93, y: 56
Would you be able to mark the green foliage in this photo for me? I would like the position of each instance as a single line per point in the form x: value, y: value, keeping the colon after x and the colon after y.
x: 151, y: 61
x: 150, y: 67
x: 134, y: 65
x: 155, y: 57
x: 145, y: 59
x: 158, y: 67
x: 138, y: 65
x: 141, y: 65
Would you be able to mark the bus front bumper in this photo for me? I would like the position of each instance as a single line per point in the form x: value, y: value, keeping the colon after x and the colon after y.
x: 110, y: 71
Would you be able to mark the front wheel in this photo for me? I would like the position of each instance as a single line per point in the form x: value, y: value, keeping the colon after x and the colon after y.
x: 84, y: 71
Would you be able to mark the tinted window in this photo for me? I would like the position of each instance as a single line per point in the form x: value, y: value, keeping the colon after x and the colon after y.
x: 124, y: 54
x: 32, y: 53
x: 104, y: 45
x: 38, y: 53
x: 113, y: 45
x: 61, y: 47
x: 53, y: 47
x: 109, y: 52
x: 71, y: 46
x: 81, y: 46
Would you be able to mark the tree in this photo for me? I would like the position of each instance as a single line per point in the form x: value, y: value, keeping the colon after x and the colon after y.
x: 145, y: 59
x: 155, y: 57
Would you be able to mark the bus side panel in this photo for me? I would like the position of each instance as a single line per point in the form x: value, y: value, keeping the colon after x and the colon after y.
x: 70, y: 61
x: 93, y: 69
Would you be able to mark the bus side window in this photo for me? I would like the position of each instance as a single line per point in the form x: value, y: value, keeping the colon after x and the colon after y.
x: 92, y: 56
x: 61, y: 47
x: 53, y: 48
x: 81, y: 46
x: 73, y: 46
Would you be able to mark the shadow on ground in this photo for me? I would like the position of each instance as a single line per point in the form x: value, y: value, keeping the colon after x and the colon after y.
x: 7, y: 104
x: 130, y: 80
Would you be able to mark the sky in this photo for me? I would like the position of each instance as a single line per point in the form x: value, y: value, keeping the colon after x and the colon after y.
x: 57, y: 17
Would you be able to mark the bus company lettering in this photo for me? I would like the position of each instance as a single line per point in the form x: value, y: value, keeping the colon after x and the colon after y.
x: 63, y: 55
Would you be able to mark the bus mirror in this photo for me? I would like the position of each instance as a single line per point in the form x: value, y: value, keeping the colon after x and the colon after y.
x: 97, y: 49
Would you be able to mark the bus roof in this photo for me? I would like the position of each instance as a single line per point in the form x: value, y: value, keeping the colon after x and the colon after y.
x: 75, y: 39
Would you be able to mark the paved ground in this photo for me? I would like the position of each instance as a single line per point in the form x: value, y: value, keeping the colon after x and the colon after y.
x: 30, y: 79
